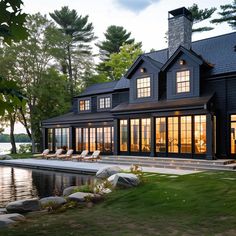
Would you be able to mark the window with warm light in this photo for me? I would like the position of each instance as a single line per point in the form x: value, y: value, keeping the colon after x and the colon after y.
x: 84, y: 105
x: 200, y: 133
x: 146, y: 135
x: 104, y: 103
x: 143, y: 87
x: 173, y: 137
x: 183, y: 81
x: 134, y: 135
x: 161, y: 134
x: 233, y: 133
x: 123, y: 135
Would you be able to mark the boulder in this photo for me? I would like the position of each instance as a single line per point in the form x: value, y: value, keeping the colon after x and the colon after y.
x: 5, y: 157
x: 68, y: 191
x: 7, y: 219
x: 52, y: 200
x: 106, y: 172
x: 82, y: 197
x: 124, y: 180
x: 3, y: 211
x: 23, y: 206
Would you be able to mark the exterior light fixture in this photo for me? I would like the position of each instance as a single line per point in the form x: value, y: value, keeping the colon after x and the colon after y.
x: 181, y: 62
x: 142, y: 70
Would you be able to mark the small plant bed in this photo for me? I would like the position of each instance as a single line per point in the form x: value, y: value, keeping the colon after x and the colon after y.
x: 21, y: 155
x: 197, y: 204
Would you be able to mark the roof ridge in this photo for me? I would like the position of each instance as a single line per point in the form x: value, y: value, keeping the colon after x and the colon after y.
x: 217, y: 36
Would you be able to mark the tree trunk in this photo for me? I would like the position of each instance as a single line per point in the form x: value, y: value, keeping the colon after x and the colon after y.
x: 12, y: 138
x: 23, y: 121
x: 70, y: 72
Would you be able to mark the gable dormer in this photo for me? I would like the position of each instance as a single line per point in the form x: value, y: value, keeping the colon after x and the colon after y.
x: 183, y: 74
x: 144, y: 83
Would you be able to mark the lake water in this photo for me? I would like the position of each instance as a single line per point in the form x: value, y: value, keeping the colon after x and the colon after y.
x: 18, y: 183
x: 5, y: 148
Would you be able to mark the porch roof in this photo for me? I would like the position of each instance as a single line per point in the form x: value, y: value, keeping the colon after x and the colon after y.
x: 72, y: 118
x: 165, y: 105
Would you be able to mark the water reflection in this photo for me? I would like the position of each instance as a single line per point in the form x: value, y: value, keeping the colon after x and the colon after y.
x: 16, y: 183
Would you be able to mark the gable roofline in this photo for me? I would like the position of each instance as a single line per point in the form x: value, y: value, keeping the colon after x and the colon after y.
x: 142, y: 58
x: 193, y: 42
x: 195, y: 57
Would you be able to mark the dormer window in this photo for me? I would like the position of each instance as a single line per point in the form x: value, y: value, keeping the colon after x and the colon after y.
x: 183, y: 81
x: 143, y: 87
x: 84, y: 105
x: 104, y: 102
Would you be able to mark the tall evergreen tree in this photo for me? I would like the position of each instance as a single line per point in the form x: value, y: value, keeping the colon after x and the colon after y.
x: 228, y: 14
x: 200, y: 15
x: 115, y: 37
x: 79, y: 34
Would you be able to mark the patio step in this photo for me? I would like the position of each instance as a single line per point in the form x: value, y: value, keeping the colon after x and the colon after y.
x: 171, y: 163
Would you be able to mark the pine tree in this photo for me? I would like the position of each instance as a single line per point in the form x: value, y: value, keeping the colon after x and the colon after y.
x: 228, y: 14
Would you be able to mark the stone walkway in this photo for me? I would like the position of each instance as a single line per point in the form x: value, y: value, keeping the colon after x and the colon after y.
x: 82, y: 167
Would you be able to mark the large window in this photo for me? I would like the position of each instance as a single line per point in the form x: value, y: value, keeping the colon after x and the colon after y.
x: 84, y: 105
x: 134, y: 135
x: 100, y: 139
x: 107, y: 139
x: 161, y: 134
x: 79, y: 147
x: 173, y: 140
x: 183, y: 81
x: 92, y: 139
x: 85, y: 139
x: 50, y: 139
x: 123, y: 135
x: 104, y: 103
x: 186, y: 134
x: 233, y: 134
x: 146, y: 134
x: 200, y: 133
x: 143, y: 87
x: 62, y: 138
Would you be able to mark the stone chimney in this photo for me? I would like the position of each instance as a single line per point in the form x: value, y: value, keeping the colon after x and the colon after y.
x: 179, y: 29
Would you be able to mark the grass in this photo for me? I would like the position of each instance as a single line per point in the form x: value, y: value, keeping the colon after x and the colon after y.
x: 21, y: 155
x: 197, y: 204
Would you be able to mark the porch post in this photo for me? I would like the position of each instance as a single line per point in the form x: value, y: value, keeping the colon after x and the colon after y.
x: 71, y: 138
x: 153, y: 141
x: 44, y: 145
x: 209, y: 137
x: 116, y: 138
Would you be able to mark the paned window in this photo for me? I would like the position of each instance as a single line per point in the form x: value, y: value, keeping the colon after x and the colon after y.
x: 183, y: 81
x: 143, y: 87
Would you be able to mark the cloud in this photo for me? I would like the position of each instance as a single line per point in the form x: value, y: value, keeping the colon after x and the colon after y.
x: 136, y: 5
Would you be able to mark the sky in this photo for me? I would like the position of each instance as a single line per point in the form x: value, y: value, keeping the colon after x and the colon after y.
x: 147, y: 20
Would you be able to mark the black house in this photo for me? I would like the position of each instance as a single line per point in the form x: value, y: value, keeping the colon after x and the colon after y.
x: 175, y: 102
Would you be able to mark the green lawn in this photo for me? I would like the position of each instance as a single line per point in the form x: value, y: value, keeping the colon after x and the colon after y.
x: 198, y: 204
x: 21, y: 156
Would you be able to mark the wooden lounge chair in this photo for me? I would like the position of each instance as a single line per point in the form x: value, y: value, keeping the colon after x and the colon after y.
x: 43, y: 154
x: 94, y: 157
x: 81, y: 156
x: 56, y: 154
x: 67, y: 155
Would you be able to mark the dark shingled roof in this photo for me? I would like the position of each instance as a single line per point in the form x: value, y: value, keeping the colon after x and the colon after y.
x: 79, y: 118
x: 218, y: 51
x: 99, y: 88
x: 165, y: 105
x: 123, y: 83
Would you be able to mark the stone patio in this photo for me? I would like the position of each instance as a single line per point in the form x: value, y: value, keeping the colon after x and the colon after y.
x: 82, y: 167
